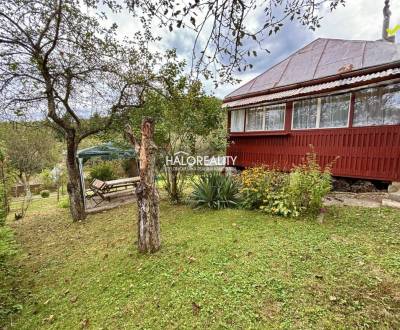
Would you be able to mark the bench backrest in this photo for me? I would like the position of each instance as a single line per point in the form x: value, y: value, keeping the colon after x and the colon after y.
x: 98, y: 184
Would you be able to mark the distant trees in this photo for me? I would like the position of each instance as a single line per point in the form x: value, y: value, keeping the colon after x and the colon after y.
x: 29, y: 150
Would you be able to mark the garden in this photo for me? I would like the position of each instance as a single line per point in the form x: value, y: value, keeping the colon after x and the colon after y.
x: 230, y: 268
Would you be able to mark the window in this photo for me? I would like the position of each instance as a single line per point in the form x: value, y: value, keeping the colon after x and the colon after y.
x: 266, y: 118
x: 305, y: 114
x: 391, y: 104
x: 367, y: 110
x: 377, y: 106
x: 237, y: 120
x: 255, y: 119
x: 274, y: 117
x: 325, y: 112
x: 335, y: 111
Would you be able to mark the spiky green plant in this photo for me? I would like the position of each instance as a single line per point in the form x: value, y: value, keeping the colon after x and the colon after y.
x: 215, y: 191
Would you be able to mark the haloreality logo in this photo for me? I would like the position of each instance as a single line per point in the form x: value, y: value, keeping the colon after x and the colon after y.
x: 184, y: 159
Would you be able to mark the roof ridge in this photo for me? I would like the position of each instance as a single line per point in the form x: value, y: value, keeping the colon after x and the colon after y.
x: 320, y: 57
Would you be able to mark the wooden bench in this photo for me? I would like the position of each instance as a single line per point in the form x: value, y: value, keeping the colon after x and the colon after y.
x: 108, y: 190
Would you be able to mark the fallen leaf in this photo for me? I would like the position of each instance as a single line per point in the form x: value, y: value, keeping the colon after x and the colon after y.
x: 49, y: 319
x: 195, y: 308
x: 84, y: 324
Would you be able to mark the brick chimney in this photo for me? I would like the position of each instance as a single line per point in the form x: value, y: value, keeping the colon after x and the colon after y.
x: 386, y: 22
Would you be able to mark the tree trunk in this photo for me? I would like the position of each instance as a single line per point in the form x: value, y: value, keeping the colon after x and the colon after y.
x: 4, y: 190
x: 147, y: 195
x: 172, y: 183
x: 28, y: 195
x: 74, y: 188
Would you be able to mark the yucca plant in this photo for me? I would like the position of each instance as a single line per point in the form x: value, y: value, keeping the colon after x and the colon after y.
x: 215, y: 191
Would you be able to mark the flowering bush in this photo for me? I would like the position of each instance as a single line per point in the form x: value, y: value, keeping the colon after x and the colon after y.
x: 309, y: 184
x: 286, y: 194
x: 258, y: 183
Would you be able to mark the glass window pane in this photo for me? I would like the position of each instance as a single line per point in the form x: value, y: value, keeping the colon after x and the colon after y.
x: 275, y: 117
x: 255, y: 119
x: 335, y: 111
x: 237, y: 121
x: 367, y: 109
x: 391, y: 104
x: 305, y: 113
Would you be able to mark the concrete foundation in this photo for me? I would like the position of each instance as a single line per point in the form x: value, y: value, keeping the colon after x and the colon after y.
x: 394, y: 187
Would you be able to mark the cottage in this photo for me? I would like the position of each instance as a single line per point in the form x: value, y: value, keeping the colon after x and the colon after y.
x: 340, y: 96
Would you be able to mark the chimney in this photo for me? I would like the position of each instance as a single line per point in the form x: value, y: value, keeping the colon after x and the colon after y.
x: 386, y: 23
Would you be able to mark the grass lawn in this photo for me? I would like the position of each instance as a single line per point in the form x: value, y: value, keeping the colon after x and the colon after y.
x: 230, y: 269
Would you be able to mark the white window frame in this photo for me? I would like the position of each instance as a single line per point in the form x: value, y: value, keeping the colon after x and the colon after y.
x: 265, y: 109
x: 379, y: 88
x: 284, y: 116
x: 263, y: 119
x: 244, y: 121
x: 318, y: 119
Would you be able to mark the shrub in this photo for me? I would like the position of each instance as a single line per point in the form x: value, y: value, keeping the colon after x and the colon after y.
x: 215, y: 191
x: 45, y: 193
x: 258, y: 183
x: 46, y: 179
x: 64, y: 204
x: 102, y: 171
x: 286, y: 194
x: 309, y: 184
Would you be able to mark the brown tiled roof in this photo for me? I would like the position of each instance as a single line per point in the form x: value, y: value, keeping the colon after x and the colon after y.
x: 320, y: 59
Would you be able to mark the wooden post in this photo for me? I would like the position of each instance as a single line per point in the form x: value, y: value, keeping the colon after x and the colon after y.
x: 146, y: 192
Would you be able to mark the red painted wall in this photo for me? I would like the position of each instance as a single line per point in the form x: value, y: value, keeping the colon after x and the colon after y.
x: 364, y: 152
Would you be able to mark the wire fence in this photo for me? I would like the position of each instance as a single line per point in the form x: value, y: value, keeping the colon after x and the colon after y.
x: 15, y: 202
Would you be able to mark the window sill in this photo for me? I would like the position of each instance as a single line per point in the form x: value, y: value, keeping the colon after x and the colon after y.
x: 260, y: 133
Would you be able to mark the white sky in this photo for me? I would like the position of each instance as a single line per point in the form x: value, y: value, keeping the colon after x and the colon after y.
x: 358, y: 20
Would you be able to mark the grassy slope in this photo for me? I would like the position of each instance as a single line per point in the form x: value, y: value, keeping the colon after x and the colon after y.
x: 217, y: 269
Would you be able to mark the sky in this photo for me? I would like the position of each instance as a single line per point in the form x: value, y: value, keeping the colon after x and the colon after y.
x: 358, y: 20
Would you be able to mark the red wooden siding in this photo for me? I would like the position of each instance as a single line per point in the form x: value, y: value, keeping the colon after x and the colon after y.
x: 364, y: 152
